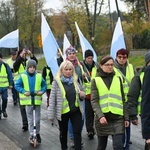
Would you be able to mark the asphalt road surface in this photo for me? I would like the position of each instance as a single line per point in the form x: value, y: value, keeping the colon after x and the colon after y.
x: 11, y: 127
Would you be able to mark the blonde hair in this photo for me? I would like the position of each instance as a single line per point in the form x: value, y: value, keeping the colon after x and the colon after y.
x: 65, y: 64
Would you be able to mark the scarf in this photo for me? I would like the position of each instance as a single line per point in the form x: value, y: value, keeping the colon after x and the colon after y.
x: 67, y: 81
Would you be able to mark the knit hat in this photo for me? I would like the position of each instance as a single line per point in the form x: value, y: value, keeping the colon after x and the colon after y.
x: 1, y: 56
x: 147, y: 57
x: 70, y: 50
x: 31, y: 62
x: 122, y: 51
x: 88, y: 53
x: 104, y: 59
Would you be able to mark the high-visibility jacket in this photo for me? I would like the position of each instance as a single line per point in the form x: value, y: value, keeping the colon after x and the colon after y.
x: 140, y: 96
x: 48, y: 82
x: 20, y: 70
x: 110, y: 100
x: 65, y: 104
x: 9, y: 62
x: 27, y: 100
x: 3, y: 76
x: 87, y: 85
x: 129, y: 75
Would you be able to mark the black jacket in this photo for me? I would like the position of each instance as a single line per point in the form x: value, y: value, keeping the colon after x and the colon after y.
x: 145, y: 105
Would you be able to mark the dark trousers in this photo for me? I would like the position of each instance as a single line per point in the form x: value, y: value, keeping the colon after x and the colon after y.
x: 126, y: 137
x: 117, y: 142
x: 14, y: 94
x: 76, y: 120
x: 89, y: 116
x: 4, y: 96
x: 23, y: 115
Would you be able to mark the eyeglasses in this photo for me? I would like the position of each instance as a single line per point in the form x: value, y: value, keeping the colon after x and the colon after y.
x: 107, y: 65
x: 122, y: 57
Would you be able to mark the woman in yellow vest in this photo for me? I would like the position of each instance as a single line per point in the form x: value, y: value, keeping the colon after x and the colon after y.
x: 108, y: 103
x: 65, y: 104
x: 29, y: 83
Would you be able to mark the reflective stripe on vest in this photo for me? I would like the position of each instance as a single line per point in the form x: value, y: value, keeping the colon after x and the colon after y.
x: 129, y: 75
x: 87, y: 85
x: 48, y: 85
x: 65, y: 104
x: 3, y: 76
x: 26, y: 100
x: 140, y: 96
x: 110, y: 100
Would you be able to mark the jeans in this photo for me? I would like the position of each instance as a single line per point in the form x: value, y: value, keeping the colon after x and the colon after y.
x: 4, y: 96
x: 126, y: 138
x: 70, y: 128
x: 76, y: 121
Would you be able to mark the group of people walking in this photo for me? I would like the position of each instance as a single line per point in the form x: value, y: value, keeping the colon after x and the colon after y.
x: 106, y: 96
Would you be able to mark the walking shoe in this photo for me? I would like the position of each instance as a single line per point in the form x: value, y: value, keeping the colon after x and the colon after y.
x: 5, y: 114
x: 24, y: 128
x: 90, y: 135
x: 15, y: 103
x: 72, y: 143
x: 38, y: 138
x: 31, y: 139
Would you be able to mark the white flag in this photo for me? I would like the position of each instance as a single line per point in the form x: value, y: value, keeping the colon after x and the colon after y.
x: 85, y: 45
x: 50, y: 46
x: 117, y: 40
x: 66, y: 44
x: 10, y: 40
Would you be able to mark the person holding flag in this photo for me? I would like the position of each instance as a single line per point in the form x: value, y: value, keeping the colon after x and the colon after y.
x: 90, y: 67
x: 126, y: 72
x: 65, y: 103
x: 71, y: 56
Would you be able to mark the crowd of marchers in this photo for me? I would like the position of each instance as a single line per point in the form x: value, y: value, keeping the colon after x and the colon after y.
x: 107, y: 96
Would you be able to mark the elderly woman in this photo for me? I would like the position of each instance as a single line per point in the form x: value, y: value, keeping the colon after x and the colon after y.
x: 64, y: 103
x: 108, y: 103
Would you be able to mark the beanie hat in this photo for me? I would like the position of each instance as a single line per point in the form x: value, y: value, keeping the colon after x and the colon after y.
x: 122, y: 51
x: 70, y: 50
x: 31, y: 62
x: 88, y: 53
x: 147, y: 57
x: 1, y: 56
x: 104, y: 59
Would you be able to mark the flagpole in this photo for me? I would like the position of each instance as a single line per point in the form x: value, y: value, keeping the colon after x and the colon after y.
x: 117, y: 8
x: 61, y: 53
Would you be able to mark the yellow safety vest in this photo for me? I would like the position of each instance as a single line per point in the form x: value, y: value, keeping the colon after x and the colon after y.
x: 87, y: 85
x: 110, y: 100
x: 3, y: 77
x: 26, y: 100
x: 129, y: 75
x: 9, y: 61
x: 65, y: 104
x: 140, y: 96
x: 48, y: 85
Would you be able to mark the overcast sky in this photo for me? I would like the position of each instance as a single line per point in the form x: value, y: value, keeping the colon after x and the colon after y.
x: 57, y: 4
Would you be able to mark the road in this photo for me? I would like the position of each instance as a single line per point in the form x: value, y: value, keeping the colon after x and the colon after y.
x: 11, y: 127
